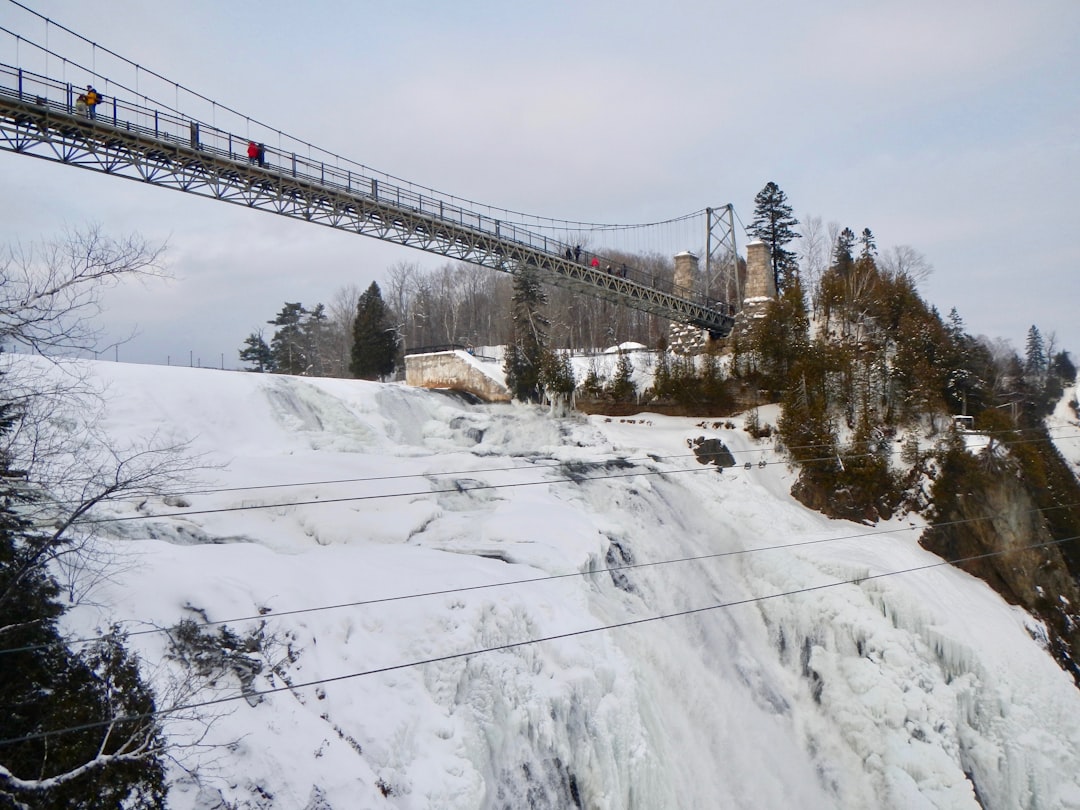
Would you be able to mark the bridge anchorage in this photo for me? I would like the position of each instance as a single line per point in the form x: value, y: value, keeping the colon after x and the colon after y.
x: 154, y: 145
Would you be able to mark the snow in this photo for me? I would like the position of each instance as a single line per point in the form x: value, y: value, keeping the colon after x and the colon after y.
x: 755, y: 655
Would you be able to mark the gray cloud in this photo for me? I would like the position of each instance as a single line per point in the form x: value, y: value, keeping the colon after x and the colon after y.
x: 949, y: 127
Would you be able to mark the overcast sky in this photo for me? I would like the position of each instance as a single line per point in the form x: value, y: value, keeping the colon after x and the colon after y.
x: 951, y: 126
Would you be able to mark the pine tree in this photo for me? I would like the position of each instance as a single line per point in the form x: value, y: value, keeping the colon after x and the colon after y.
x: 315, y: 329
x: 525, y: 355
x: 257, y: 353
x: 774, y: 225
x: 557, y: 379
x: 622, y: 387
x: 843, y: 257
x: 48, y: 686
x: 374, y: 348
x: 1035, y: 357
x: 288, y: 344
x: 782, y: 337
x: 869, y: 245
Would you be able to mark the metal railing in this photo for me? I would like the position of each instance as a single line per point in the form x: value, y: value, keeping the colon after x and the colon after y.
x: 172, y: 128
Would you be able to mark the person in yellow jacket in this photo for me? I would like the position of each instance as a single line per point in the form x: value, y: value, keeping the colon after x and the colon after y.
x: 92, y: 99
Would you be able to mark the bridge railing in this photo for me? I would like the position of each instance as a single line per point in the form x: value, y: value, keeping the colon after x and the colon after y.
x: 175, y: 129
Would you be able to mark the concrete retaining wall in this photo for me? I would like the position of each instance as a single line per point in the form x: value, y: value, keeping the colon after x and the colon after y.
x: 456, y: 371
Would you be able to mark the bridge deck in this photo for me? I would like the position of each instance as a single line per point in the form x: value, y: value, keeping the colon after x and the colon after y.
x: 38, y: 118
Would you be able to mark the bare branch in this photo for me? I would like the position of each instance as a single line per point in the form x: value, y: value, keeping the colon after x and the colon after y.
x: 51, y: 293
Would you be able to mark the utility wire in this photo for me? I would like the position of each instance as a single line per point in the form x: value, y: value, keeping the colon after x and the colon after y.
x: 517, y: 644
x: 270, y: 128
x: 463, y: 489
x: 545, y: 578
x: 459, y: 489
x: 552, y: 464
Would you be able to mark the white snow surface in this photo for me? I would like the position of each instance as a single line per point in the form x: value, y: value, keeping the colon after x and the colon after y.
x: 730, y: 666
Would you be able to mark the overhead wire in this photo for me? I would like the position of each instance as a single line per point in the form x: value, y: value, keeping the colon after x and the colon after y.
x: 706, y: 460
x: 506, y: 214
x: 545, y: 578
x: 592, y: 226
x: 460, y: 489
x: 293, y: 686
x: 543, y: 464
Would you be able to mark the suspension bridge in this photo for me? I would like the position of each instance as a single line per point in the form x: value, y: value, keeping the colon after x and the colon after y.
x: 134, y: 137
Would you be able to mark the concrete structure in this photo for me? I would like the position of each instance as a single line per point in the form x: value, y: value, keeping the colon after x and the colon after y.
x: 457, y: 371
x: 686, y: 270
x: 683, y: 338
x: 760, y: 282
x: 760, y: 289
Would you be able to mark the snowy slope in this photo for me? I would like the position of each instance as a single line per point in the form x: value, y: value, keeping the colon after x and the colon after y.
x: 739, y: 674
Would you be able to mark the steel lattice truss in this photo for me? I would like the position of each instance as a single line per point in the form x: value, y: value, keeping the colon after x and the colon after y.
x: 42, y: 129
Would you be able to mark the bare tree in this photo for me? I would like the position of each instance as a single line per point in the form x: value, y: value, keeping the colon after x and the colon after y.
x: 341, y: 314
x: 813, y: 254
x: 904, y: 260
x: 65, y: 479
x: 51, y: 293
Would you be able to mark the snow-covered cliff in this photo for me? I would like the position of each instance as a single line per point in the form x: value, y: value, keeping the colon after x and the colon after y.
x: 481, y: 607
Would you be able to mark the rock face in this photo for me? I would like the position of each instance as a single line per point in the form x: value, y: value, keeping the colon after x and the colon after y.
x: 993, y: 527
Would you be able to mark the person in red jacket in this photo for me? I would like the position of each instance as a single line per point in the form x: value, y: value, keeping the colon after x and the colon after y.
x: 253, y: 152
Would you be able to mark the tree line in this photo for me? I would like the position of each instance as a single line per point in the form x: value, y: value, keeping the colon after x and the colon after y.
x: 455, y: 304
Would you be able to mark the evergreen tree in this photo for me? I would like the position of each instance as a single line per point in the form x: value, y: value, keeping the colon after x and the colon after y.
x: 524, y: 359
x: 374, y: 348
x: 843, y: 258
x: 1035, y: 357
x: 774, y: 225
x: 869, y: 246
x: 315, y: 330
x: 782, y: 337
x: 622, y: 388
x: 47, y: 686
x: 289, y: 345
x: 557, y: 379
x: 257, y: 354
x: 1063, y: 368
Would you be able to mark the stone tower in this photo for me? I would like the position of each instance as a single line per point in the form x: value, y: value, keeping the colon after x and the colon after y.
x: 686, y: 269
x: 682, y: 337
x: 760, y: 288
x: 759, y: 275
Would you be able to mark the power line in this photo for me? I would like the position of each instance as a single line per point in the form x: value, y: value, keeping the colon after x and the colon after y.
x: 545, y: 578
x: 517, y: 644
x: 463, y: 489
x: 459, y: 489
x: 557, y: 224
x: 540, y: 464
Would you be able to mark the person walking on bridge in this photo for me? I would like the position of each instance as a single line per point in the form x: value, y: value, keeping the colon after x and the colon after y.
x: 253, y: 152
x: 93, y: 98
